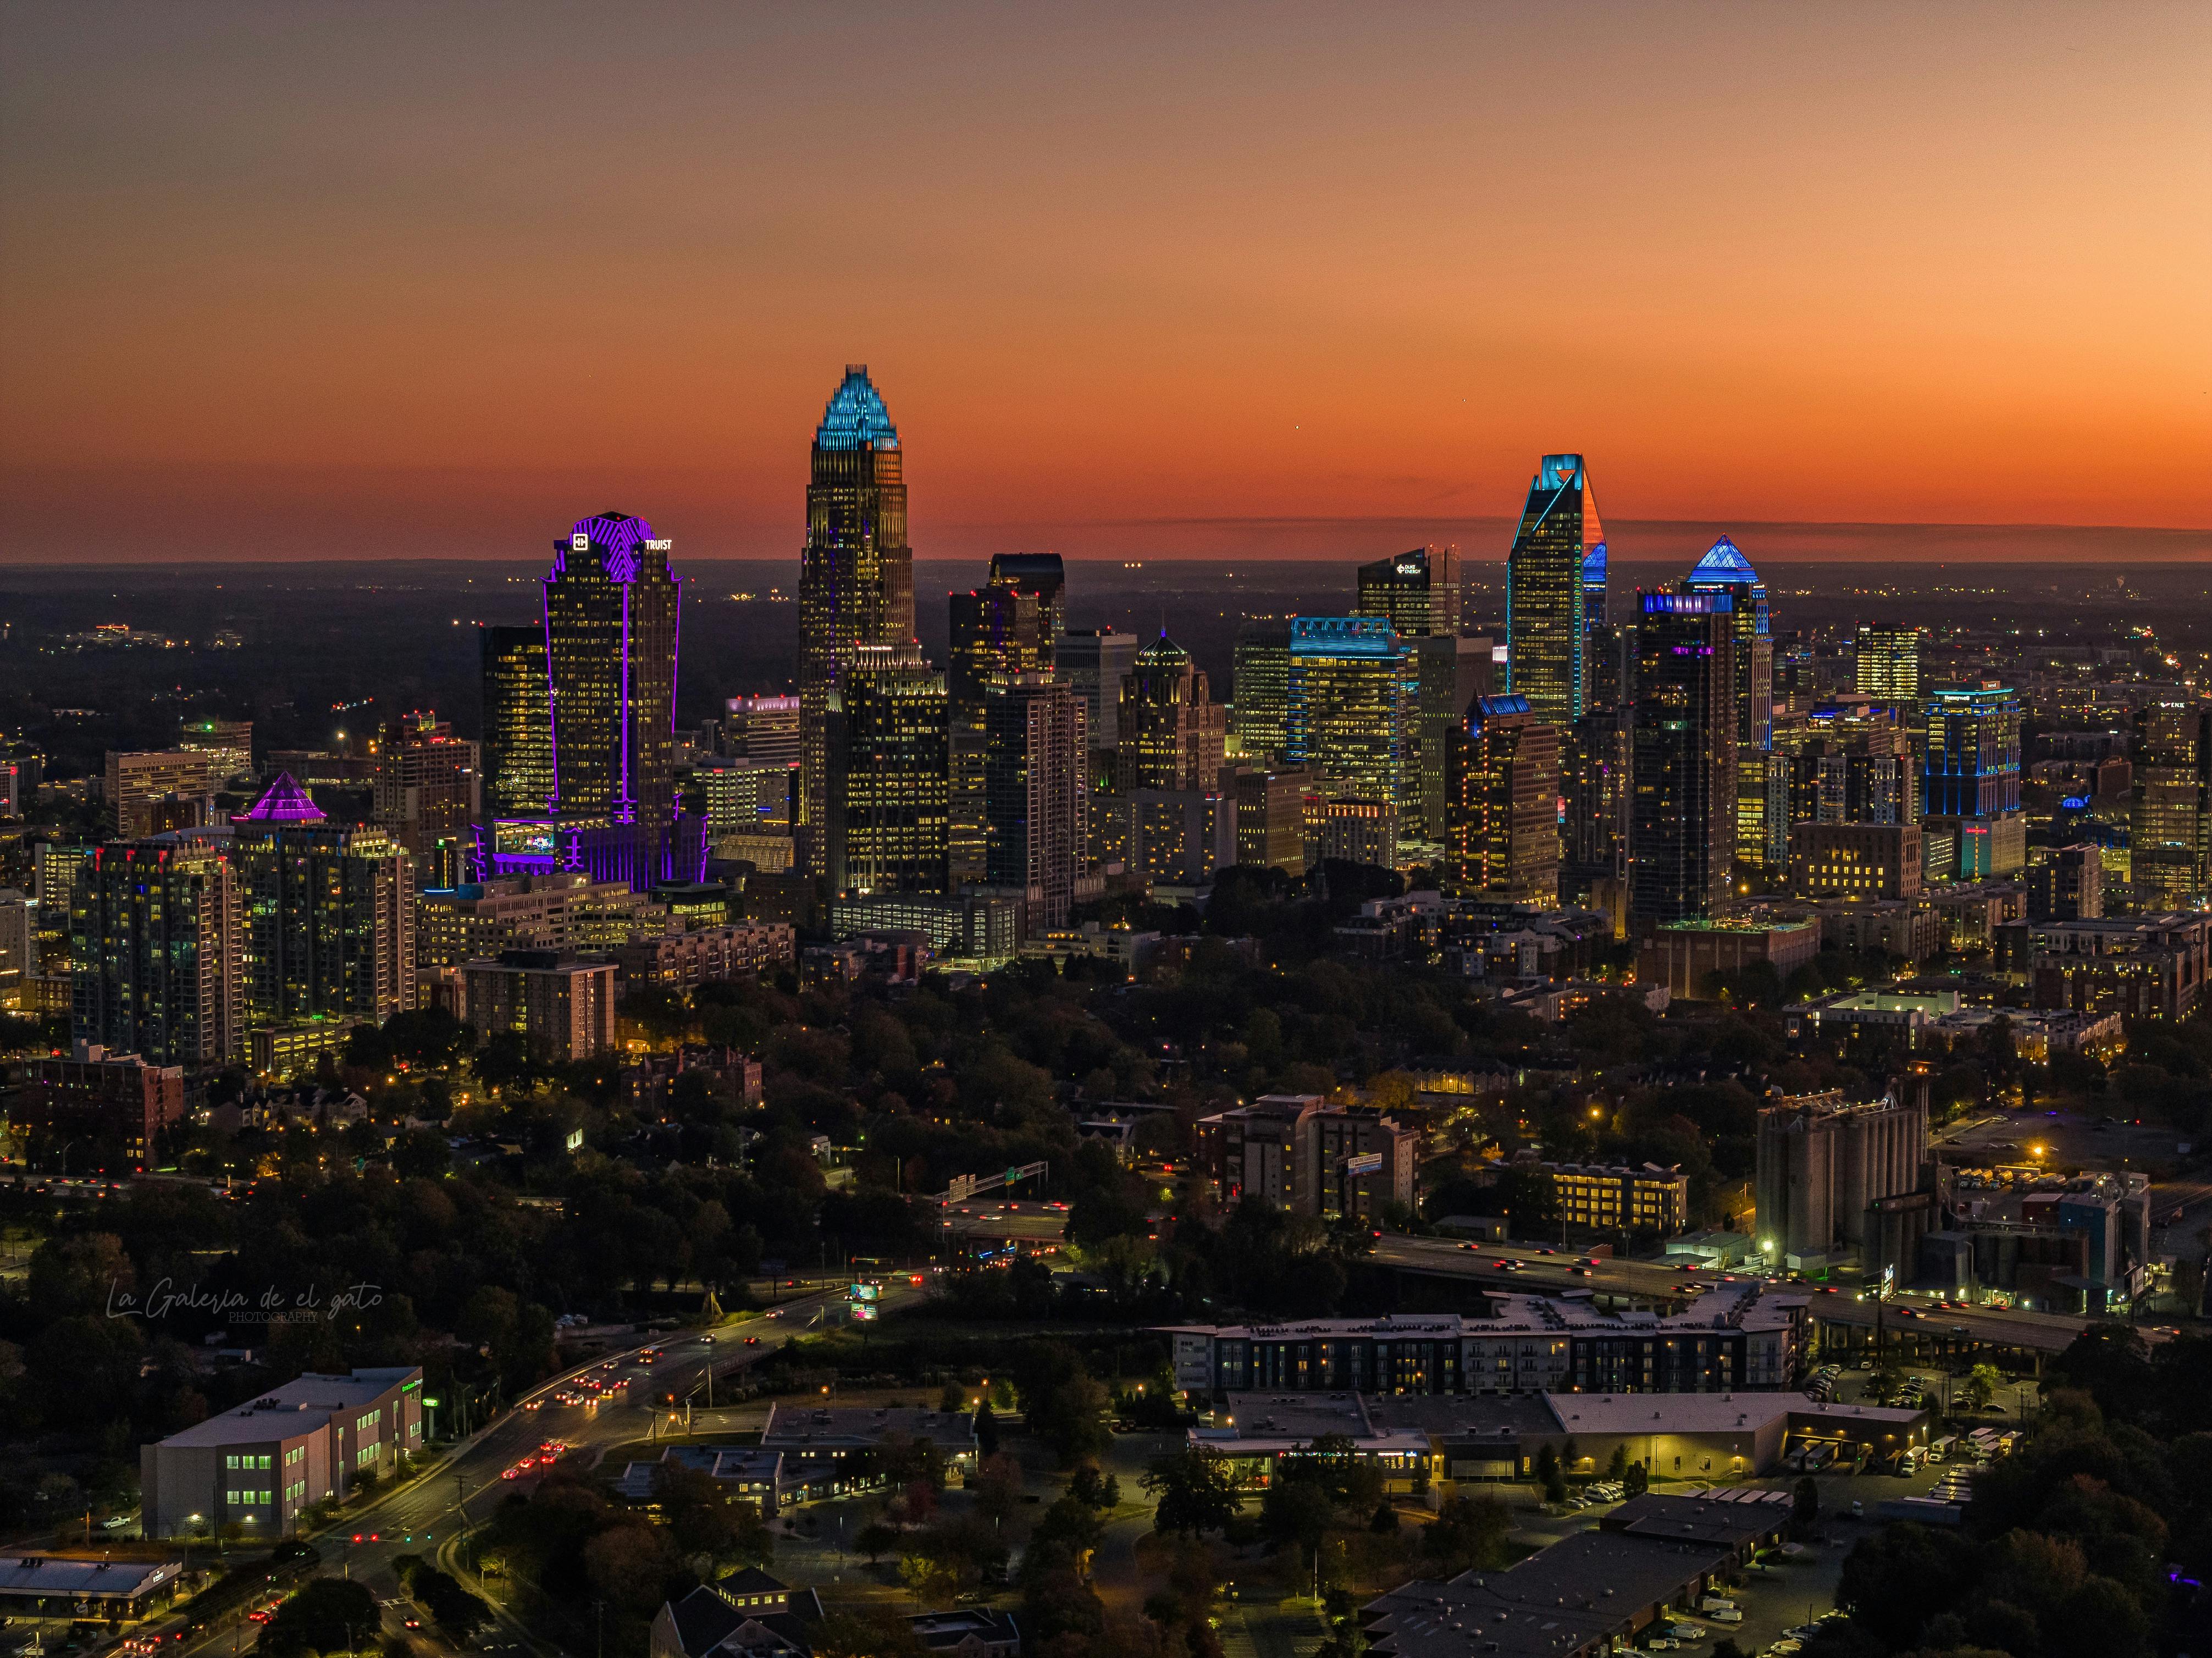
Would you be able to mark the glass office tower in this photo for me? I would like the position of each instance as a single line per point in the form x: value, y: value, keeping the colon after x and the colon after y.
x: 855, y: 573
x: 1544, y: 594
x: 518, y: 723
x: 611, y: 608
x: 1417, y: 593
x: 1349, y: 712
x: 1682, y: 810
x: 887, y: 801
x: 1973, y: 763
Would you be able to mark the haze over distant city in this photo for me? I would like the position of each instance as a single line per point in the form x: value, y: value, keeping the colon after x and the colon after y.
x: 430, y: 282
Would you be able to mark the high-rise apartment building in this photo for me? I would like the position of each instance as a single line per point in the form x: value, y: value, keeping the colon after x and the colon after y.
x: 1271, y: 817
x: 888, y: 814
x: 611, y: 611
x: 428, y: 793
x: 518, y: 724
x: 1972, y: 753
x: 155, y: 953
x: 1263, y: 688
x: 1544, y: 615
x: 1502, y: 803
x: 1595, y: 784
x: 1349, y: 713
x: 2170, y: 809
x: 1417, y: 593
x: 1449, y: 671
x: 997, y: 632
x: 1171, y: 732
x: 227, y: 744
x: 1886, y: 663
x: 329, y: 915
x: 1034, y: 795
x: 167, y: 788
x: 1095, y: 661
x: 2069, y: 885
x: 1851, y: 762
x: 856, y: 571
x: 1683, y: 807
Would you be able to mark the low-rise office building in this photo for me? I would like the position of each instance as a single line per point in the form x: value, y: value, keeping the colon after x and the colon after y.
x: 261, y: 1464
x: 1741, y: 1340
x: 1684, y: 955
x: 1588, y: 1595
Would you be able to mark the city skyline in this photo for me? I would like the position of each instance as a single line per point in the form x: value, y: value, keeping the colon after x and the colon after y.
x: 317, y: 289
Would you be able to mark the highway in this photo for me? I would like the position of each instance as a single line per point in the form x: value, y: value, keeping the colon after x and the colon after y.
x: 426, y: 1515
x: 1542, y: 1270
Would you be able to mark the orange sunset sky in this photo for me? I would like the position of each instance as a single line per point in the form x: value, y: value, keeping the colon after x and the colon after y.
x: 308, y: 280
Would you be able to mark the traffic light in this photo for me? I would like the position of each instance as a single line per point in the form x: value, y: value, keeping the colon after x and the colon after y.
x: 356, y: 1537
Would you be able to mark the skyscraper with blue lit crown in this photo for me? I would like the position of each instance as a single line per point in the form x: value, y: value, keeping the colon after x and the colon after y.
x: 1545, y: 595
x: 855, y: 574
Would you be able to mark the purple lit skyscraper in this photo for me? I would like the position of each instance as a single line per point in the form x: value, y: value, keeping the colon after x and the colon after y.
x: 611, y: 609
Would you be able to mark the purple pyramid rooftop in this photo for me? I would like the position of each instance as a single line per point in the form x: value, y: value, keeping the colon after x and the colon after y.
x: 284, y: 802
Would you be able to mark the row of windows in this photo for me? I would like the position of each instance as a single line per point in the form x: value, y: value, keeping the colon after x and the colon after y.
x: 248, y: 1461
x: 246, y: 1499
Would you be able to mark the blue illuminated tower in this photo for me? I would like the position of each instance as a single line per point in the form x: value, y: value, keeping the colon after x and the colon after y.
x: 855, y: 574
x: 1724, y: 569
x: 1545, y: 595
x: 1973, y: 753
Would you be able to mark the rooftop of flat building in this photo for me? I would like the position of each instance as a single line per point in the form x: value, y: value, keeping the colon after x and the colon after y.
x: 300, y: 1405
x: 856, y: 1426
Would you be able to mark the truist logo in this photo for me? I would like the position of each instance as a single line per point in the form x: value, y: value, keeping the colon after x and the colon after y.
x: 580, y: 543
x: 661, y: 546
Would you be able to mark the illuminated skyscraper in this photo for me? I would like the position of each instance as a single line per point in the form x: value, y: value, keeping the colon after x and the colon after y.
x: 1095, y: 660
x: 1261, y: 687
x: 1349, y: 714
x: 996, y: 631
x: 1886, y: 663
x: 1682, y: 811
x: 1041, y: 575
x: 2170, y: 750
x: 1972, y: 755
x: 762, y: 728
x: 1417, y: 593
x: 888, y: 771
x: 1593, y: 586
x: 428, y: 795
x: 1544, y: 594
x: 1594, y: 782
x: 1034, y: 798
x: 1724, y: 569
x: 154, y: 953
x: 1449, y: 671
x: 518, y: 723
x: 329, y: 915
x: 1172, y: 732
x: 1502, y: 803
x: 611, y: 610
x: 855, y: 574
